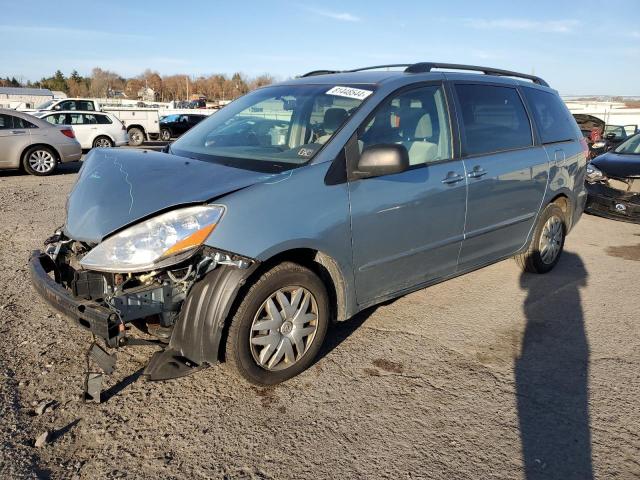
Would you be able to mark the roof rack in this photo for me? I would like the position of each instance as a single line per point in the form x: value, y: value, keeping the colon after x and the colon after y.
x: 425, y: 67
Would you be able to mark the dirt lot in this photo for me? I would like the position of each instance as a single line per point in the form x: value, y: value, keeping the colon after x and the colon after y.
x: 492, y: 375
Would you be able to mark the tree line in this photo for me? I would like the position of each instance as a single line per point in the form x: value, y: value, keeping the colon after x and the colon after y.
x: 105, y: 83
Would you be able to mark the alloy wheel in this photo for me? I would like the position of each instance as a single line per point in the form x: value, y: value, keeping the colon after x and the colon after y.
x: 284, y: 328
x: 103, y: 143
x: 42, y: 161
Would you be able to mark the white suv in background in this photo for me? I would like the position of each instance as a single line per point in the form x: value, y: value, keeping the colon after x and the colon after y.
x: 92, y: 129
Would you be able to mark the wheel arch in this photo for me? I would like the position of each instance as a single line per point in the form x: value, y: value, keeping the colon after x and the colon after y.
x: 564, y: 202
x: 113, y: 140
x: 39, y: 144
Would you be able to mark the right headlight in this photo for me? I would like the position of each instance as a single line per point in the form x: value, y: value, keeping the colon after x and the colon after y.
x: 155, y: 243
x: 594, y: 175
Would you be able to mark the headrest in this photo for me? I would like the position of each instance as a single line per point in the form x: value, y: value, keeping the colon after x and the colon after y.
x: 334, y: 117
x: 424, y: 128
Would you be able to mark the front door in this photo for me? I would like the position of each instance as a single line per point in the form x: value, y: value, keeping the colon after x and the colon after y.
x: 507, y: 174
x: 407, y: 228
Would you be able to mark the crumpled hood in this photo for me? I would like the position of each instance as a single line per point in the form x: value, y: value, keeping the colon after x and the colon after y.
x: 116, y: 187
x: 617, y: 165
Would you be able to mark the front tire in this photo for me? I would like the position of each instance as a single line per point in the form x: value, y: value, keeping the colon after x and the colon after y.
x: 40, y: 161
x: 547, y: 242
x: 278, y: 329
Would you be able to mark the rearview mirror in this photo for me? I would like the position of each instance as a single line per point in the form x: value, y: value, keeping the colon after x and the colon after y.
x: 384, y: 159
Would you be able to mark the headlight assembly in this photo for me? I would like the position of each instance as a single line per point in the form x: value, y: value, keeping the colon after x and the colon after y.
x: 594, y: 175
x: 158, y: 242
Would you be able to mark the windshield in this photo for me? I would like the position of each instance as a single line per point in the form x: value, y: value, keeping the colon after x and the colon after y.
x: 273, y: 128
x: 630, y: 147
x: 45, y: 105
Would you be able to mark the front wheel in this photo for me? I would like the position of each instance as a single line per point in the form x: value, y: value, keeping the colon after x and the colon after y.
x: 279, y: 327
x: 547, y: 242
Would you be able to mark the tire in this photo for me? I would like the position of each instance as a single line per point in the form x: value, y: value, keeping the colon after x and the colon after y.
x: 288, y: 344
x: 549, y: 232
x: 103, y: 142
x: 40, y: 161
x: 165, y: 134
x: 136, y: 136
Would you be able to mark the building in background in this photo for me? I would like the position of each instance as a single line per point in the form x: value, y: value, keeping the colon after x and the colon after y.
x: 14, y: 97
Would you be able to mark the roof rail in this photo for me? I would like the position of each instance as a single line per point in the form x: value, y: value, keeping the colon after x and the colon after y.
x: 424, y: 67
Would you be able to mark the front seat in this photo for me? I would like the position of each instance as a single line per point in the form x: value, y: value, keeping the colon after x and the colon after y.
x: 333, y: 119
x: 419, y: 147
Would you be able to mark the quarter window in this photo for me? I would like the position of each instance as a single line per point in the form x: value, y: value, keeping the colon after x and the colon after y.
x: 103, y: 119
x: 5, y: 122
x: 493, y: 119
x: 554, y: 121
x: 416, y: 119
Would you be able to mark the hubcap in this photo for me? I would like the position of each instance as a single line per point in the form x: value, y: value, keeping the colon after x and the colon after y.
x: 551, y: 240
x: 166, y: 135
x: 103, y: 143
x: 284, y: 327
x: 41, y: 161
x: 135, y: 137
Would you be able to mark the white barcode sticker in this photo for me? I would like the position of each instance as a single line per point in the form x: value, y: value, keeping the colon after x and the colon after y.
x: 350, y: 92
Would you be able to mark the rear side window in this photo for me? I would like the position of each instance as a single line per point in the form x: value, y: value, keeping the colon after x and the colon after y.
x: 493, y: 119
x: 5, y: 122
x: 22, y: 123
x: 85, y: 105
x: 552, y: 117
x: 103, y: 119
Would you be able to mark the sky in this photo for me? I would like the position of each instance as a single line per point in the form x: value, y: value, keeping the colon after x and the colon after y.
x: 580, y: 47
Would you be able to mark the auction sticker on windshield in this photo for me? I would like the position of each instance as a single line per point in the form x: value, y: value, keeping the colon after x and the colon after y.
x: 349, y: 92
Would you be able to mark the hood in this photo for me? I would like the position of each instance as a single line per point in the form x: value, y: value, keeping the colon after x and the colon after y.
x: 117, y: 187
x: 618, y: 165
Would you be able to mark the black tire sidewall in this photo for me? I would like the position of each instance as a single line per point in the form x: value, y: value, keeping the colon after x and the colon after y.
x: 27, y: 167
x: 551, y: 210
x: 238, y: 341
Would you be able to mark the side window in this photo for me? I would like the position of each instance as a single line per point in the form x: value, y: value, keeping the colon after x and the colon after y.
x: 493, y: 119
x: 554, y: 121
x: 416, y: 119
x: 5, y: 122
x: 103, y: 119
x: 89, y: 119
x: 85, y: 105
x: 22, y: 123
x: 74, y: 119
x: 68, y: 105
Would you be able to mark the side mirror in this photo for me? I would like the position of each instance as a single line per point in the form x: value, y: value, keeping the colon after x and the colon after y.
x: 383, y: 159
x: 610, y: 136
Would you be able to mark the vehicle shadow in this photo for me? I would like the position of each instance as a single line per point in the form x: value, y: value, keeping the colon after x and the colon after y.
x: 551, y: 375
x: 63, y: 169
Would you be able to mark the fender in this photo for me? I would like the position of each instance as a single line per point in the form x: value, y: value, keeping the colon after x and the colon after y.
x: 195, y: 340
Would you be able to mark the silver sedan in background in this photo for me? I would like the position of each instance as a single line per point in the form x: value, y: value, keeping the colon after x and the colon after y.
x: 34, y: 145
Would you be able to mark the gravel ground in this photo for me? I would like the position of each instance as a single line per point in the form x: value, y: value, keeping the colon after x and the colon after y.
x: 493, y: 375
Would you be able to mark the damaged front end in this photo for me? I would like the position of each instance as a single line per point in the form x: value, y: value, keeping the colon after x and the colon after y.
x: 611, y: 196
x: 156, y: 301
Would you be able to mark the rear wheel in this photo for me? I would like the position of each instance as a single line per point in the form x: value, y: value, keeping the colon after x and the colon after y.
x: 102, y: 142
x: 39, y: 161
x: 136, y: 136
x: 279, y: 327
x: 547, y: 242
x: 165, y: 135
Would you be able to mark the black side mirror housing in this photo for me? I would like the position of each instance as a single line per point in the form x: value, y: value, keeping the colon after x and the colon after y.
x: 383, y: 159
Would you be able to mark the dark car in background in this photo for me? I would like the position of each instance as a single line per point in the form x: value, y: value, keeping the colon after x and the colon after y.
x: 173, y: 126
x: 600, y: 136
x: 613, y: 182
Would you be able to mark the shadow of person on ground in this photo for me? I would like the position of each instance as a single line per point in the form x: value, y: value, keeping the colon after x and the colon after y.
x: 551, y: 375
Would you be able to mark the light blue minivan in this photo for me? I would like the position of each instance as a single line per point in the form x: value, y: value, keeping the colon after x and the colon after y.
x: 308, y: 201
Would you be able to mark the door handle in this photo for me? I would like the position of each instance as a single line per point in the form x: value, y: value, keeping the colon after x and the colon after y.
x: 477, y: 172
x: 452, y: 178
x: 18, y: 132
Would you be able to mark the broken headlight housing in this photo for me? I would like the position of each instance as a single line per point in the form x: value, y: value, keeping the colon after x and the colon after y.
x: 158, y: 242
x: 594, y: 175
